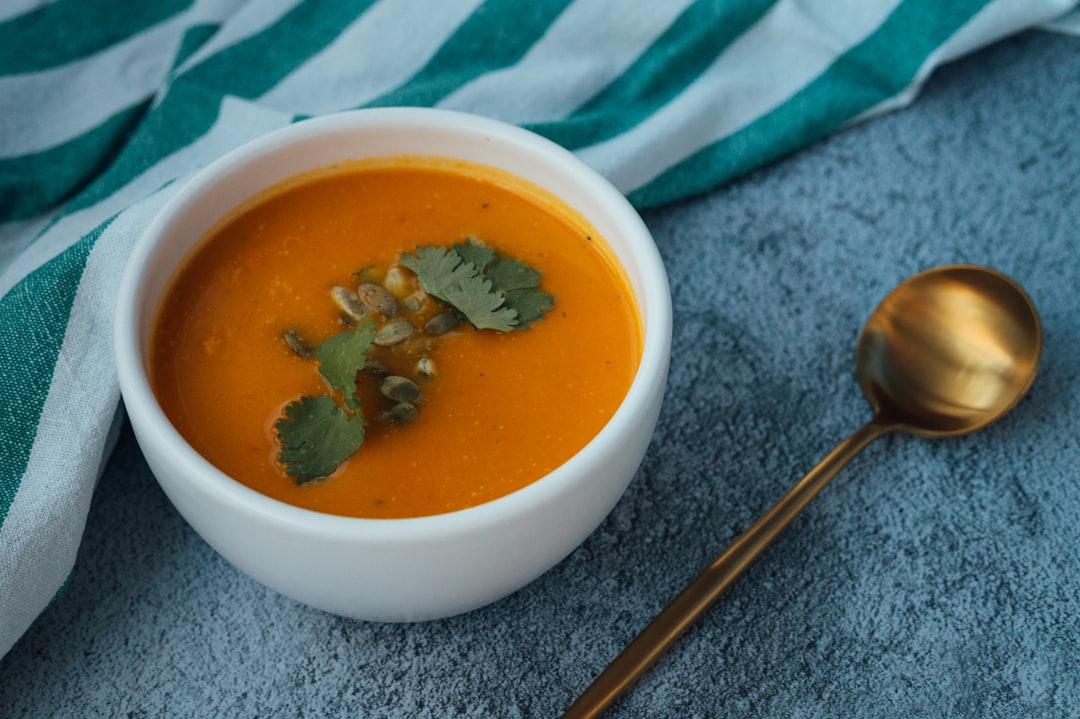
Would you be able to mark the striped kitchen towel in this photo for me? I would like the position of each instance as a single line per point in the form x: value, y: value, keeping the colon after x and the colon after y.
x: 105, y: 110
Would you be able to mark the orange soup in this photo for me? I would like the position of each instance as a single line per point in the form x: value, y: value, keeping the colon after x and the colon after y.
x: 497, y: 409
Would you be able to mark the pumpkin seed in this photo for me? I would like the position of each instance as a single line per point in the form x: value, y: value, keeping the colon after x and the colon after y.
x: 412, y: 303
x: 368, y: 273
x: 400, y: 413
x: 393, y: 332
x: 404, y: 412
x: 349, y: 303
x: 399, y: 389
x: 425, y: 368
x: 377, y: 300
x: 375, y: 369
x: 396, y: 282
x: 441, y: 323
x: 297, y: 345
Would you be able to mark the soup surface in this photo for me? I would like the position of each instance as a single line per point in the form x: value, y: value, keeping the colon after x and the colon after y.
x: 498, y: 410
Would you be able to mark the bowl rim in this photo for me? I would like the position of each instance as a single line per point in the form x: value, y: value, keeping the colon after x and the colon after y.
x: 654, y: 304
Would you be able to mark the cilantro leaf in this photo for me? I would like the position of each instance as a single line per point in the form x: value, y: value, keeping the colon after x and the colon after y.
x: 437, y: 268
x: 518, y: 282
x: 342, y: 356
x: 446, y: 277
x: 475, y: 253
x: 530, y: 304
x: 316, y: 436
x: 507, y: 274
x: 483, y: 309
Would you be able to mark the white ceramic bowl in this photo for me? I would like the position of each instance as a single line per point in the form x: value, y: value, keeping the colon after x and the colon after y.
x: 393, y: 569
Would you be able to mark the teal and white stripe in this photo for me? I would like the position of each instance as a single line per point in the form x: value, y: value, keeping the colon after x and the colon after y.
x: 103, y: 113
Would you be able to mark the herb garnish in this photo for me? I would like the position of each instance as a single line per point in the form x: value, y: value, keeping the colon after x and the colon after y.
x: 317, y: 435
x: 488, y: 289
x: 344, y: 355
x: 479, y: 285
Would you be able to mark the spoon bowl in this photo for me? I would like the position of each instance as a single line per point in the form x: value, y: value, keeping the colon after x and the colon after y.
x: 947, y: 352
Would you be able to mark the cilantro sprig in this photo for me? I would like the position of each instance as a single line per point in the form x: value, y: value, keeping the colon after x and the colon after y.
x: 315, y: 433
x: 487, y: 288
x: 342, y: 357
x: 316, y: 436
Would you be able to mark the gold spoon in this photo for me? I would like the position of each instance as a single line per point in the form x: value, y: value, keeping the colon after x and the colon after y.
x: 947, y: 352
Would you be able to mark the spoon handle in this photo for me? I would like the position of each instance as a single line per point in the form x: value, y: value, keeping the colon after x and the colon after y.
x: 669, y: 625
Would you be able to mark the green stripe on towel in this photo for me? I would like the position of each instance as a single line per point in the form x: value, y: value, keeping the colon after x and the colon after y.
x: 60, y: 32
x: 33, y: 318
x: 31, y: 184
x: 676, y: 59
x: 457, y: 61
x: 892, y: 55
x: 251, y: 67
